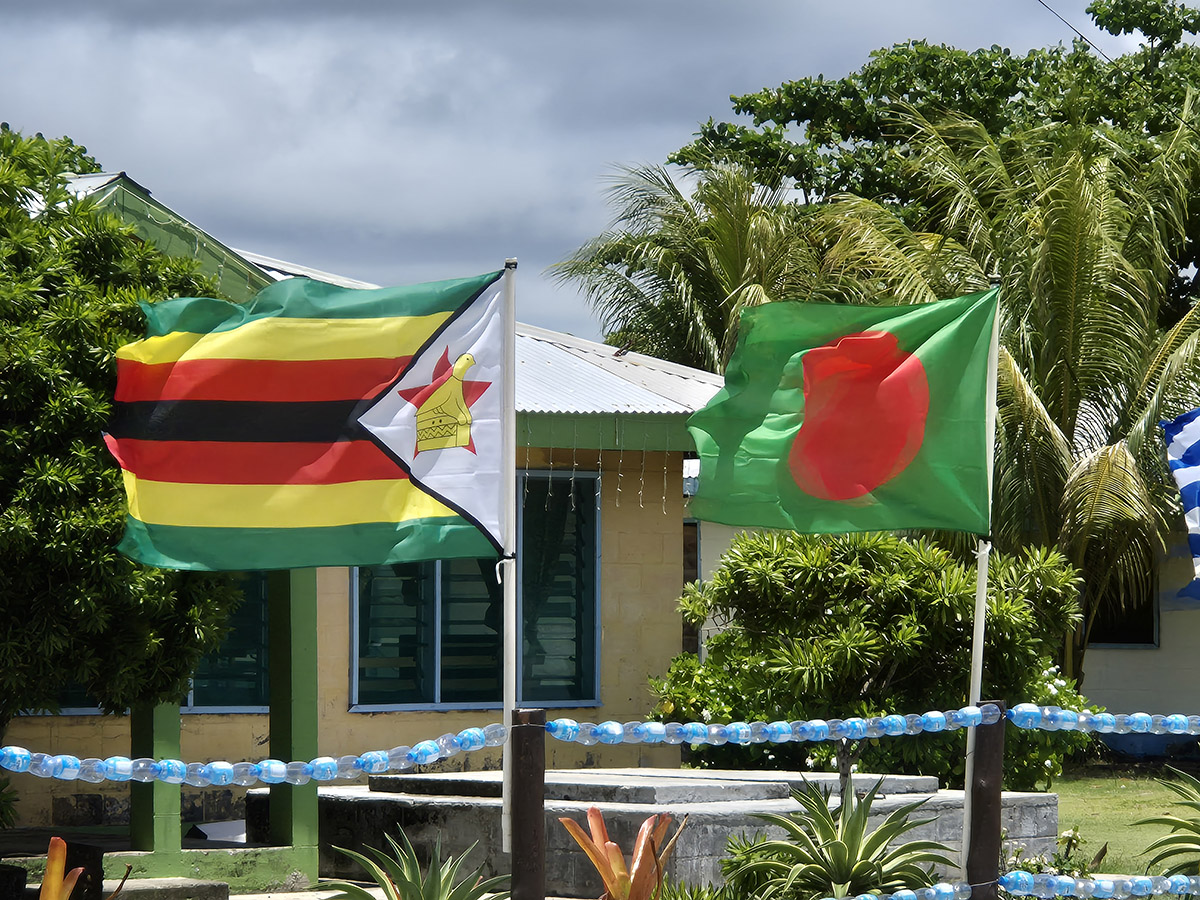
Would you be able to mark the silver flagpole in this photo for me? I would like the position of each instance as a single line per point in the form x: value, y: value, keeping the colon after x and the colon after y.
x: 982, y: 552
x: 508, y: 565
x: 981, y: 580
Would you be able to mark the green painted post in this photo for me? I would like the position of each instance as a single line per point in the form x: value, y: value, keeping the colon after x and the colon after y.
x: 154, y: 813
x: 292, y: 612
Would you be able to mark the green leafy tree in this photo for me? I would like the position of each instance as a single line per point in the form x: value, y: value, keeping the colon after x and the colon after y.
x: 72, y: 610
x: 837, y: 135
x: 867, y: 625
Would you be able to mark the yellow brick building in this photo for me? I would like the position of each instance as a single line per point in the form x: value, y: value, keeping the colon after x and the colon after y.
x: 407, y: 653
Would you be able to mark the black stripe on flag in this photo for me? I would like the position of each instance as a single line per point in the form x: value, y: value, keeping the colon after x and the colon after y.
x: 238, y: 420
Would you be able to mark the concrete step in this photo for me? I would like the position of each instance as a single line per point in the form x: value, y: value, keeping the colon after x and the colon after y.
x: 158, y: 889
x: 644, y: 786
x: 588, y: 786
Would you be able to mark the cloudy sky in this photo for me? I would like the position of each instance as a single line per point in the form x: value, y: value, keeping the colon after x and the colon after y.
x: 396, y: 141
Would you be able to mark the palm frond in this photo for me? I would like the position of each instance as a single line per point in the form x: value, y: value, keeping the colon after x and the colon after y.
x: 1111, y: 525
x: 1033, y: 459
x: 1171, y: 385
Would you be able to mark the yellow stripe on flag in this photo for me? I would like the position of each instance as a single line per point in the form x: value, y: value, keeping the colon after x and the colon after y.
x: 278, y: 505
x: 293, y: 339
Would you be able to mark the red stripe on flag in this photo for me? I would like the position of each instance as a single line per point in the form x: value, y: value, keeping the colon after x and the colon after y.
x: 217, y: 462
x: 256, y: 379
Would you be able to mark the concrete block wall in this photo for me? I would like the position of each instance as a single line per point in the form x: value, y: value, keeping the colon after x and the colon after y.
x: 355, y: 816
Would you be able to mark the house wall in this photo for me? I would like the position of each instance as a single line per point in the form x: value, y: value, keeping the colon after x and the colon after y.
x: 641, y: 579
x: 1149, y: 678
x: 715, y: 539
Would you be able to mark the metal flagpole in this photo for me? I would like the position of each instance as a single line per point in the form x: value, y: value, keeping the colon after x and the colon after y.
x: 982, y: 552
x: 507, y: 567
x: 981, y: 578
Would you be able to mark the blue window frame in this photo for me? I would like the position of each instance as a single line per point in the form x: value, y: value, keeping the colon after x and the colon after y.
x: 429, y: 635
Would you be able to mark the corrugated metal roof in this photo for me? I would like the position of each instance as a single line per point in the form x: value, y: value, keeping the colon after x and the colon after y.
x: 279, y: 270
x: 559, y: 373
x: 82, y: 185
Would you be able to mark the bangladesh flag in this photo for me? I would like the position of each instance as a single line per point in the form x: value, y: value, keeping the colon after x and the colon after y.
x: 841, y: 418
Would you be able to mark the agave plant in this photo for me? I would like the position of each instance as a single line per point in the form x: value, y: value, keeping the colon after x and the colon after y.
x: 643, y: 880
x: 400, y: 876
x: 1181, y: 848
x: 828, y: 854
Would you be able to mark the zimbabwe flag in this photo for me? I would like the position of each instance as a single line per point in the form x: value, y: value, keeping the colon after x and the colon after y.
x: 838, y: 418
x: 314, y: 426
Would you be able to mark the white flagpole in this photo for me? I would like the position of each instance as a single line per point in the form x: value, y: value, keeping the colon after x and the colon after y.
x: 508, y: 565
x: 981, y: 578
x: 982, y: 552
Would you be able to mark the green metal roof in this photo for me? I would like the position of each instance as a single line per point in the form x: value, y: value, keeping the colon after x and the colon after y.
x: 236, y: 277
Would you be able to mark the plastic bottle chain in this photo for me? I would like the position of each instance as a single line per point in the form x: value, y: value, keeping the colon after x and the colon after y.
x: 326, y: 768
x: 1045, y: 886
x: 853, y: 728
x: 268, y: 771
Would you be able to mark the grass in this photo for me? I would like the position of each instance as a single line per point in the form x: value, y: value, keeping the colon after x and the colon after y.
x: 1101, y: 802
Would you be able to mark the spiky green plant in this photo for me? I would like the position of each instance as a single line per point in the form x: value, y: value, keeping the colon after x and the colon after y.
x: 682, y: 890
x: 1181, y: 848
x: 831, y: 854
x: 401, y: 879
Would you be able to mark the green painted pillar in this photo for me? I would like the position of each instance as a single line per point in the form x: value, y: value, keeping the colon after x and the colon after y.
x: 292, y: 612
x: 154, y: 815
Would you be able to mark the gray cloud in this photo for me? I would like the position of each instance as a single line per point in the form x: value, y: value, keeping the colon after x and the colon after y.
x: 398, y: 141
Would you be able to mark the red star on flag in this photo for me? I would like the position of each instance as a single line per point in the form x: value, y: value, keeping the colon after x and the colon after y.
x: 442, y: 370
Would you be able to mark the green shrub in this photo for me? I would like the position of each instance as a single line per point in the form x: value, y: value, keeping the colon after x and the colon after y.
x: 870, y: 624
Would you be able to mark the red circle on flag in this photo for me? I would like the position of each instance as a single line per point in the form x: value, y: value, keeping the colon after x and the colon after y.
x: 865, y: 406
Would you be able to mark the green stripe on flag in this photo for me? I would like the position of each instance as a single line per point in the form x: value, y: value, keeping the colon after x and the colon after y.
x: 303, y: 298
x: 217, y: 549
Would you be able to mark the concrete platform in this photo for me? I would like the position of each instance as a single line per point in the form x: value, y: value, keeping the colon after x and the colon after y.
x: 463, y: 812
x: 646, y: 785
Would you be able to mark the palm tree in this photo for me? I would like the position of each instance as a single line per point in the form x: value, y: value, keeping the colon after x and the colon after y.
x: 673, y: 274
x: 1081, y: 237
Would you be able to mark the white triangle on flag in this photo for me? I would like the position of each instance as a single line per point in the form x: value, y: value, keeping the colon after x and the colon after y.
x: 443, y: 418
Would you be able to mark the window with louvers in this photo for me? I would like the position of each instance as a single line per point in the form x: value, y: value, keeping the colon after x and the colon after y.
x: 397, y: 621
x: 432, y: 633
x: 558, y: 590
x: 237, y: 674
x: 234, y: 678
x: 472, y: 629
